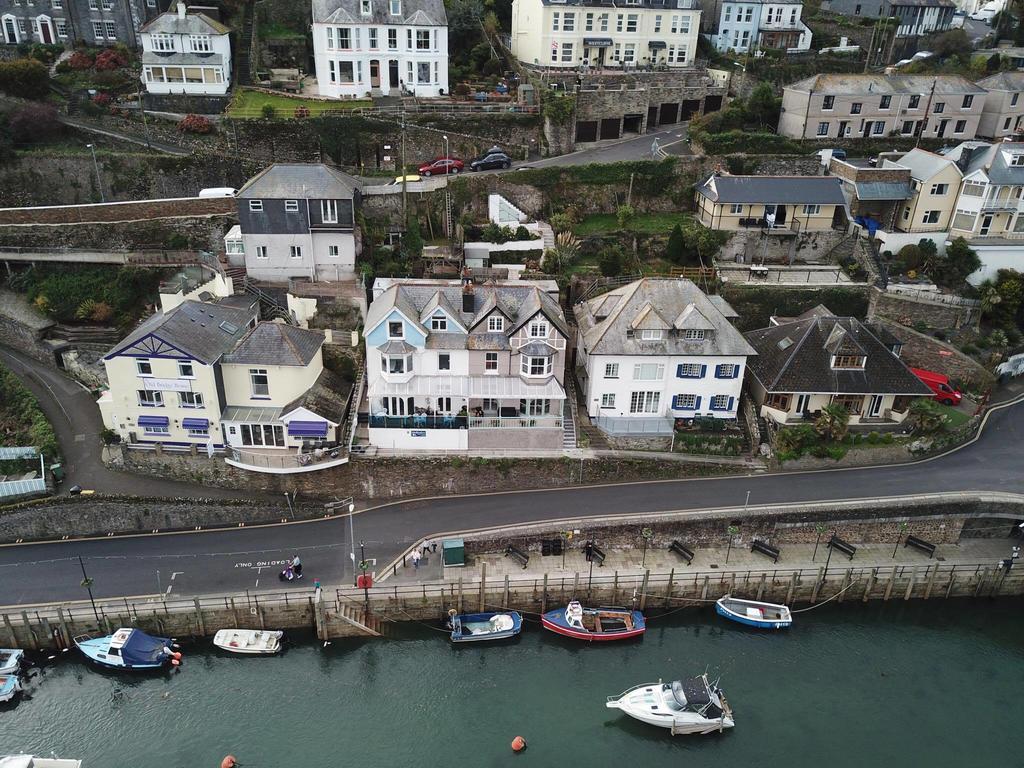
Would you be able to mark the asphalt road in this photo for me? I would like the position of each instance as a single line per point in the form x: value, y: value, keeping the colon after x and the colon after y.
x: 191, y: 563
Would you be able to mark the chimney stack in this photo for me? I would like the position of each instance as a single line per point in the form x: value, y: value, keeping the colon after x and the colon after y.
x: 181, y: 10
x: 467, y: 298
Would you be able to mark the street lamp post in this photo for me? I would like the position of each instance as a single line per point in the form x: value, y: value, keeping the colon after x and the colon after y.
x: 590, y: 557
x: 362, y: 567
x: 732, y: 530
x: 646, y: 534
x: 288, y: 498
x: 352, y: 540
x: 828, y: 560
x: 87, y: 583
x: 445, y: 138
x: 820, y: 529
x: 96, y: 166
x: 903, y: 527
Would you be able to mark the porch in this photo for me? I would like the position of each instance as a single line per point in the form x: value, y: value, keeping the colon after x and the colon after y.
x: 876, y: 412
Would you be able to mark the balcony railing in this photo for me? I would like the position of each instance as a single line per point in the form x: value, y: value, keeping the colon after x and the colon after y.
x: 422, y: 421
x: 515, y: 422
x: 781, y: 26
x: 1009, y: 204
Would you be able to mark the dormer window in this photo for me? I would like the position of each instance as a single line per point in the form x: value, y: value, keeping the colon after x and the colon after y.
x: 694, y: 334
x: 395, y: 7
x: 396, y: 330
x: 848, y: 362
x: 538, y: 329
x: 439, y: 323
x: 495, y: 324
x: 364, y: 7
x: 329, y: 211
x: 1017, y: 159
x: 651, y: 335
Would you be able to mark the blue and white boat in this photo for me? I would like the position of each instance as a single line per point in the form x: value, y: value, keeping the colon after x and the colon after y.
x: 128, y: 648
x: 9, y: 687
x: 10, y: 660
x: 754, y: 613
x: 474, y: 627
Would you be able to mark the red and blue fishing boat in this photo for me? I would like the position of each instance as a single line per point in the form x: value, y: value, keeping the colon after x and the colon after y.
x: 594, y: 624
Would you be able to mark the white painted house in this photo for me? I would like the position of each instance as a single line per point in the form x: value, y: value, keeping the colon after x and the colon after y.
x: 657, y: 350
x: 186, y: 53
x: 380, y: 47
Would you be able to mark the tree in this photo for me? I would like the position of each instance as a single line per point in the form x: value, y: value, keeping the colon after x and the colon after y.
x: 25, y: 78
x: 955, y: 42
x: 833, y: 423
x: 35, y: 123
x: 927, y: 416
x: 763, y: 106
x: 960, y: 261
x: 1002, y: 298
x: 610, y: 261
x: 625, y: 216
x: 412, y: 240
x: 675, y: 251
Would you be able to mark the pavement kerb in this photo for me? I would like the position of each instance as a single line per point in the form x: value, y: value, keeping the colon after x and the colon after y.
x: 484, y: 494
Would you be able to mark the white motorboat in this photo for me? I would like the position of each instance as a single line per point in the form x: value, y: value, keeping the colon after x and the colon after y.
x: 29, y: 761
x: 694, y: 705
x: 10, y: 660
x: 10, y: 686
x: 248, y: 641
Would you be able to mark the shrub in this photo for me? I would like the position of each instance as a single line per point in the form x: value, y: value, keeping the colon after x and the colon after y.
x: 101, y: 99
x: 610, y: 262
x: 25, y: 78
x: 35, y: 123
x: 268, y: 111
x: 109, y: 436
x: 911, y: 257
x: 927, y: 415
x: 969, y: 349
x: 194, y: 124
x: 873, y: 438
x: 109, y: 59
x: 301, y: 112
x: 80, y: 60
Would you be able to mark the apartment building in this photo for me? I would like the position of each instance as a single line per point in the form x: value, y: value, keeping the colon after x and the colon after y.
x: 380, y: 47
x: 296, y: 220
x: 745, y: 25
x: 186, y: 53
x: 67, y: 22
x: 1003, y: 114
x: 866, y: 106
x: 574, y: 33
x: 657, y: 350
x: 916, y: 17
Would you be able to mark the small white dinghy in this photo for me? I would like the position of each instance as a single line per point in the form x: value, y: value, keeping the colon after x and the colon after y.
x: 694, y: 705
x: 256, y: 642
x: 29, y: 761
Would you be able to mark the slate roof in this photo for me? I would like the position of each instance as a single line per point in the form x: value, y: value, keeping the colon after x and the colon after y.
x: 421, y: 13
x: 518, y: 302
x: 182, y: 59
x: 192, y: 24
x: 922, y: 163
x: 276, y: 344
x: 883, y: 190
x: 853, y: 85
x: 1003, y: 81
x: 796, y: 356
x: 786, y: 190
x: 604, y: 320
x: 327, y: 397
x: 993, y: 160
x: 300, y: 181
x: 202, y: 330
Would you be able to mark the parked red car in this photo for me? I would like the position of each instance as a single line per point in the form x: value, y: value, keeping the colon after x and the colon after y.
x: 940, y: 384
x: 441, y: 166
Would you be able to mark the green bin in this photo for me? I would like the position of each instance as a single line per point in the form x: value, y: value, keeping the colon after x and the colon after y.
x: 453, y: 553
x: 58, y: 472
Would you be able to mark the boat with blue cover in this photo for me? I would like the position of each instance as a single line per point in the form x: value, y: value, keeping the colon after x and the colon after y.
x: 128, y: 648
x: 754, y: 613
x: 9, y: 687
x: 594, y: 624
x: 474, y: 627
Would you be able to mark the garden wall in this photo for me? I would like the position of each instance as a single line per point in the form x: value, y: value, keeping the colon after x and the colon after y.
x: 909, y: 311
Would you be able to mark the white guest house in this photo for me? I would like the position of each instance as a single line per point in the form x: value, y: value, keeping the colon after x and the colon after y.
x: 636, y: 33
x: 186, y: 53
x: 380, y: 47
x: 657, y: 350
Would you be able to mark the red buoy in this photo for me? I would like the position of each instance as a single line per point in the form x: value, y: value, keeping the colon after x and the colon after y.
x: 518, y: 744
x: 228, y: 762
x: 176, y: 655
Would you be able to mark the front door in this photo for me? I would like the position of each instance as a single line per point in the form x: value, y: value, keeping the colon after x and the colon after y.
x: 374, y: 73
x: 842, y: 128
x: 868, y: 125
x: 942, y: 128
x: 802, y: 401
x: 780, y: 215
x: 986, y: 224
x: 393, y: 72
x: 45, y: 32
x: 875, y: 406
x: 10, y: 32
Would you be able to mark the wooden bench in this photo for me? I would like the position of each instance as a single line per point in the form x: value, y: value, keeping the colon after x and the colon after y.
x: 765, y: 549
x: 845, y: 547
x: 682, y: 550
x: 921, y: 544
x: 594, y: 553
x: 517, y: 554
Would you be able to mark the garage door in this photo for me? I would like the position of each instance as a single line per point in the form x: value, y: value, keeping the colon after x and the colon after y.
x: 586, y: 131
x: 690, y: 108
x: 712, y: 104
x: 652, y: 118
x: 610, y: 127
x: 669, y: 114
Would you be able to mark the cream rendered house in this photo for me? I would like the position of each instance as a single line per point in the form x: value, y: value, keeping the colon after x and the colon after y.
x: 935, y: 180
x: 186, y: 53
x: 797, y: 203
x: 561, y: 34
x: 1003, y: 114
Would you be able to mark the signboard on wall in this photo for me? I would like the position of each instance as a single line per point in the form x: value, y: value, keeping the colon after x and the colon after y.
x: 167, y: 385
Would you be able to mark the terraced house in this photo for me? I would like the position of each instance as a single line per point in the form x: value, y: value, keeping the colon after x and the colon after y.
x: 67, y: 22
x: 453, y: 365
x: 867, y: 106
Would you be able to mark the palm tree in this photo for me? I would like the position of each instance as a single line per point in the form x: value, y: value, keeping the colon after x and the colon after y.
x: 927, y: 416
x: 833, y: 423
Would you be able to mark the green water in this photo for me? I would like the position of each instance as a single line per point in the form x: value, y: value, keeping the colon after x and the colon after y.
x: 920, y: 684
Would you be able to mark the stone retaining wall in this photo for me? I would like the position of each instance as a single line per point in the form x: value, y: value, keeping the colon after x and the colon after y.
x: 909, y: 311
x: 120, y: 212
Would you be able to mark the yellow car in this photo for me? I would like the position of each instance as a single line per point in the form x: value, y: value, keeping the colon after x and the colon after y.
x: 408, y: 179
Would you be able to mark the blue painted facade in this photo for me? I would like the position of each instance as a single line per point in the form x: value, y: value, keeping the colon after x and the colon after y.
x: 411, y: 334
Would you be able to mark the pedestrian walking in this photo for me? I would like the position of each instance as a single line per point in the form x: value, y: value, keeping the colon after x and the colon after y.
x: 416, y: 559
x: 297, y: 567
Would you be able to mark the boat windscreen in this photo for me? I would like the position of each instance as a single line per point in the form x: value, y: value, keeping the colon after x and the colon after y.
x: 692, y: 692
x: 140, y: 648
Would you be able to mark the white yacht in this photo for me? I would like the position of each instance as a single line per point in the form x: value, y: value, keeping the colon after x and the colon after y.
x: 694, y: 705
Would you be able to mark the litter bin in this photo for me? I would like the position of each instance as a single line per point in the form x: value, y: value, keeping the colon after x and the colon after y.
x: 453, y: 553
x: 58, y: 472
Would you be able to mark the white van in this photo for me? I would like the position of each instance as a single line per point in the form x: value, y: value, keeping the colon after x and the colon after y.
x: 218, y: 192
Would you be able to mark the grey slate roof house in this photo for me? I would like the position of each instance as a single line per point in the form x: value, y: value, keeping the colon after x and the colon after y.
x: 916, y: 17
x: 67, y: 22
x: 810, y: 361
x: 801, y: 203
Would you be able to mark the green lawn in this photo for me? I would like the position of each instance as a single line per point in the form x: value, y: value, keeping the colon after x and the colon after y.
x: 954, y: 416
x: 249, y: 104
x: 645, y: 223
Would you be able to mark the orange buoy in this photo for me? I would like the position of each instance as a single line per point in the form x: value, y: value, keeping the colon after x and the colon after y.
x: 176, y: 655
x: 175, y: 663
x: 228, y: 762
x: 518, y: 744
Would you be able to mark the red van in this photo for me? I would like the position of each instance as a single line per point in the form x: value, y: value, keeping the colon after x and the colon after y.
x: 938, y: 383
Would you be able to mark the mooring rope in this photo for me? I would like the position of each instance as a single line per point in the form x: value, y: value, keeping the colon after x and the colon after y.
x: 818, y: 605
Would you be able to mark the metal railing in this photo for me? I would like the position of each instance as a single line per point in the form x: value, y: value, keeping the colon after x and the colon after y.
x: 418, y: 421
x: 624, y: 425
x: 932, y: 297
x: 290, y: 460
x: 515, y: 422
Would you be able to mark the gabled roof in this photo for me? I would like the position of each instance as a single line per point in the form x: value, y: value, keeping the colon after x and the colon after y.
x: 440, y: 300
x: 862, y: 85
x: 1003, y: 81
x: 421, y: 13
x: 203, y: 331
x: 303, y: 181
x: 326, y: 398
x: 923, y: 164
x: 992, y: 160
x: 796, y: 356
x: 604, y: 320
x: 786, y: 190
x: 648, y: 319
x: 276, y: 344
x: 192, y: 24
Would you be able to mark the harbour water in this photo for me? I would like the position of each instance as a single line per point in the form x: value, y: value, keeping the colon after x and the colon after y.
x: 894, y: 684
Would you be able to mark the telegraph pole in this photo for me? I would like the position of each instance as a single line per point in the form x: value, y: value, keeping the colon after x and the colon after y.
x: 405, y: 191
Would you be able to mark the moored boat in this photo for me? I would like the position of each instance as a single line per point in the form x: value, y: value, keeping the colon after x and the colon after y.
x: 128, y: 648
x: 475, y: 627
x: 30, y: 761
x: 594, y: 624
x: 9, y: 687
x: 10, y: 660
x: 754, y: 613
x: 694, y: 705
x: 249, y: 641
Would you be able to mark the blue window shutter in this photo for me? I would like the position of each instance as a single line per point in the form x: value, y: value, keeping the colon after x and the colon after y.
x: 703, y: 371
x: 679, y: 371
x: 675, y: 402
x: 732, y: 400
x: 696, y: 406
x: 718, y: 370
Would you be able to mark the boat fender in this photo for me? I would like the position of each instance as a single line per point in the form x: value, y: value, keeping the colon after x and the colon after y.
x: 175, y: 662
x: 176, y: 655
x: 228, y: 762
x: 518, y: 744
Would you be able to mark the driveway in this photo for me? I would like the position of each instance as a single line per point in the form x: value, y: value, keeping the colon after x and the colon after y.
x: 76, y: 420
